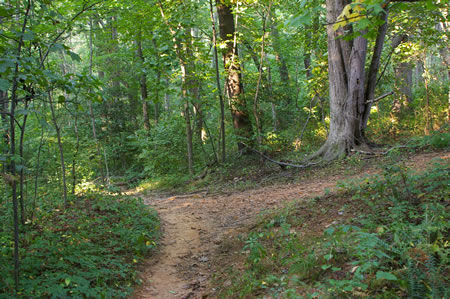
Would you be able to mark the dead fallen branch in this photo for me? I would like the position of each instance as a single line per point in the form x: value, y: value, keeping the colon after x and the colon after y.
x: 282, y: 164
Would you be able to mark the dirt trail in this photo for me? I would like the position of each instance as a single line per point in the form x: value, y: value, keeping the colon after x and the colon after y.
x: 195, y: 225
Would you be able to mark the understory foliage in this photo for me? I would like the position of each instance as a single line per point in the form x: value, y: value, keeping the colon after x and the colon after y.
x: 397, y: 248
x: 87, y: 251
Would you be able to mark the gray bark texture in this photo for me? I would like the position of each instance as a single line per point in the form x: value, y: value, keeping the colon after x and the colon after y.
x: 346, y: 62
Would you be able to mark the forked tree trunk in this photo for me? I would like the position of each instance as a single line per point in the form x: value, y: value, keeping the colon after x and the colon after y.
x: 350, y: 96
x: 346, y: 74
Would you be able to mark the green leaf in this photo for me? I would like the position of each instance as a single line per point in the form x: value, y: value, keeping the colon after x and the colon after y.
x: 4, y: 85
x: 61, y: 99
x: 329, y: 231
x: 300, y: 20
x: 386, y: 275
x: 3, y: 12
x: 29, y: 35
x: 56, y: 47
x: 74, y: 56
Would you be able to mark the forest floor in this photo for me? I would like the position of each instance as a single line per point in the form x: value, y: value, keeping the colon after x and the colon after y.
x: 200, y: 230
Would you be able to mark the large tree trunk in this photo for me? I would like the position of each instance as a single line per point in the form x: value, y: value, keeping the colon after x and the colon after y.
x: 350, y: 97
x: 233, y: 87
x: 346, y: 61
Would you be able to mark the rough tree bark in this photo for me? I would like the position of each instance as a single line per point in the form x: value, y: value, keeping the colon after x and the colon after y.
x: 349, y: 94
x: 233, y: 87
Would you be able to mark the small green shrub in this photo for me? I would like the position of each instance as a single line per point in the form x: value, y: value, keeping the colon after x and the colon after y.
x: 86, y: 251
x: 397, y: 247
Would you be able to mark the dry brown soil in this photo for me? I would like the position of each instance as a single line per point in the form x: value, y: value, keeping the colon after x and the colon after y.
x: 195, y: 227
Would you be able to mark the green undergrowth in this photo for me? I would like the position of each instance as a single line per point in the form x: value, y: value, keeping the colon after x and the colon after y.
x: 384, y: 237
x: 89, y: 250
x: 242, y: 172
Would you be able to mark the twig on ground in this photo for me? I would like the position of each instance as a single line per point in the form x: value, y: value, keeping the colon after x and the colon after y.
x: 282, y: 164
x: 375, y: 153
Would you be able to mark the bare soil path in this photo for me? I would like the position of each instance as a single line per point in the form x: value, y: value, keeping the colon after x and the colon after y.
x: 196, y: 225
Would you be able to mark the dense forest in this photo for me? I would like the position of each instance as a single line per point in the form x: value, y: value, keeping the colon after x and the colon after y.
x: 98, y: 98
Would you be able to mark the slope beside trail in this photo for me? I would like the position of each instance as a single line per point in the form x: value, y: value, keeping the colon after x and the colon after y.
x: 194, y: 227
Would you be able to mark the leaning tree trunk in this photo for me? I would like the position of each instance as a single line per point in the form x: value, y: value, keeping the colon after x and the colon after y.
x: 233, y: 86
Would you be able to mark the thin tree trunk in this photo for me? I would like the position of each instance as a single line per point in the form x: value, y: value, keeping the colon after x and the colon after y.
x: 167, y: 97
x: 282, y: 65
x: 187, y: 117
x: 91, y: 111
x: 255, y: 101
x: 143, y: 83
x: 12, y: 163
x: 195, y: 85
x: 5, y: 123
x: 219, y: 88
x: 270, y: 95
x: 372, y: 75
x: 21, y: 172
x: 106, y: 166
x: 158, y: 82
x: 36, y: 176
x: 184, y: 80
x: 60, y: 147
x: 75, y: 155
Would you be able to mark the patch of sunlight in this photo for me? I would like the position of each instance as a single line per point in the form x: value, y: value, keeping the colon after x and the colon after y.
x: 148, y: 185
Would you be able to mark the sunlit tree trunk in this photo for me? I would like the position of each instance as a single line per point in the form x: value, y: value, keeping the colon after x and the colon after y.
x: 167, y: 97
x: 233, y: 87
x: 350, y: 94
x: 346, y: 85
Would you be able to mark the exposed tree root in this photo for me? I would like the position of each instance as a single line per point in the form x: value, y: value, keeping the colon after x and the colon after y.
x: 332, y: 150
